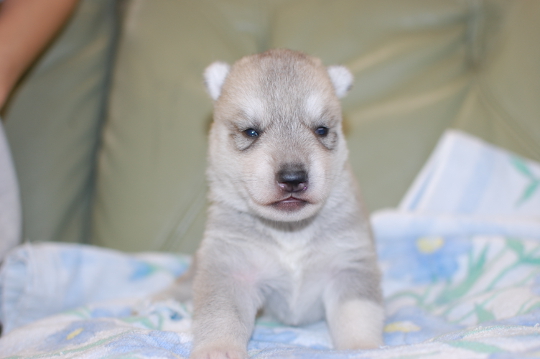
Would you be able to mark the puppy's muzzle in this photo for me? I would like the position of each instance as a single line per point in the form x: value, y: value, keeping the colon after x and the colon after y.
x: 292, y: 179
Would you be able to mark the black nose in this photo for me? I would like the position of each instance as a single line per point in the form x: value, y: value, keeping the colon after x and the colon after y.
x: 292, y: 179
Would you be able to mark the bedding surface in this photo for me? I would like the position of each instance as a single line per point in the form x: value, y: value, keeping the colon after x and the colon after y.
x: 461, y: 278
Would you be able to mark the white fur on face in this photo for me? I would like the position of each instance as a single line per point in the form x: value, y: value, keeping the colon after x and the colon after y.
x: 315, y: 105
x: 253, y: 107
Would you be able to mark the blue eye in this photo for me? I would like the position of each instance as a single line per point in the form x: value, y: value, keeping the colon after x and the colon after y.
x: 322, y: 131
x: 251, y: 133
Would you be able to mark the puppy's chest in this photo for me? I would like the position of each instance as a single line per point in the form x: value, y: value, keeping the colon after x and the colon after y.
x: 297, y: 283
x: 293, y: 259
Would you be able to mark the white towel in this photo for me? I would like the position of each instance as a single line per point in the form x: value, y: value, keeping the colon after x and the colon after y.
x: 467, y: 176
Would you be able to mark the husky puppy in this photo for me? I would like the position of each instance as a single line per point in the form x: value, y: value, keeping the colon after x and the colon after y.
x: 286, y: 230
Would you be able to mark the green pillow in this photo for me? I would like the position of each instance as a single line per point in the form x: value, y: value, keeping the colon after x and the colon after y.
x: 53, y: 125
x: 420, y: 67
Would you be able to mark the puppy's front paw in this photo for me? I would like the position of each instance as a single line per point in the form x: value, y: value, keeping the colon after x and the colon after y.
x: 219, y: 351
x: 357, y: 324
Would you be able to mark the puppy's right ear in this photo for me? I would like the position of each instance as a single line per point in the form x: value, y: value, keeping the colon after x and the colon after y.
x: 214, y: 77
x: 342, y: 79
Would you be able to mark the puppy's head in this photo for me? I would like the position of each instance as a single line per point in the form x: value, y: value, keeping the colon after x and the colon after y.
x: 276, y: 144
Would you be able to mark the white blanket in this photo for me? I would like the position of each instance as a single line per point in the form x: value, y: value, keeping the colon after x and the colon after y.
x: 460, y: 258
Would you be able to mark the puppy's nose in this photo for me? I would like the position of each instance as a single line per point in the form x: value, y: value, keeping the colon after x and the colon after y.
x: 292, y: 179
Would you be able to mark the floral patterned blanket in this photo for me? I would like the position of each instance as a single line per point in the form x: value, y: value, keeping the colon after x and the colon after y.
x: 460, y: 258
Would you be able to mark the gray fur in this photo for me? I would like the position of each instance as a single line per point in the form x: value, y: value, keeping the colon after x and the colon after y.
x: 300, y: 262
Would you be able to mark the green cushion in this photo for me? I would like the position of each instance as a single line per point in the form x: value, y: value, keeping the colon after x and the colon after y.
x: 420, y: 66
x: 53, y: 125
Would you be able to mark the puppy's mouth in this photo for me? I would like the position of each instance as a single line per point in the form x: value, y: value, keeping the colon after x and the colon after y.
x: 290, y: 204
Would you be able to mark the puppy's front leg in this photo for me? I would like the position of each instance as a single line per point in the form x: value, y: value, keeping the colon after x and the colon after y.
x: 355, y: 316
x: 224, y: 315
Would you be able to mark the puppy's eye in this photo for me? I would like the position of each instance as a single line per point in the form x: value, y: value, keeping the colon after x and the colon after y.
x: 250, y: 132
x: 321, y: 131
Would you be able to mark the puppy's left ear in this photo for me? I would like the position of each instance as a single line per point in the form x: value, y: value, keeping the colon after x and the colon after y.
x: 342, y: 79
x: 214, y: 77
